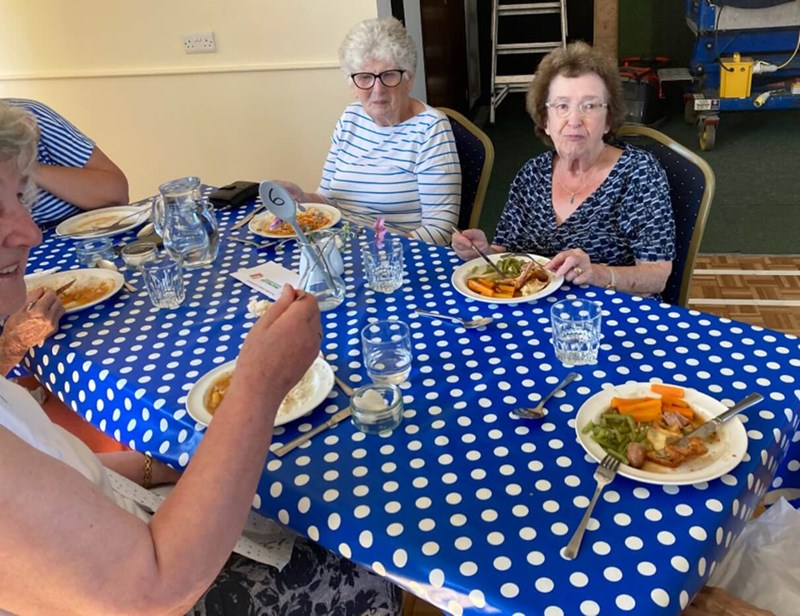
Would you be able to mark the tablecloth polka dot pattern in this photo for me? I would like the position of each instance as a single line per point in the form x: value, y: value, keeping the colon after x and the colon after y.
x: 463, y: 504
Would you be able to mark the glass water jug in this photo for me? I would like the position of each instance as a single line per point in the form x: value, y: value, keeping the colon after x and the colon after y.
x: 321, y: 269
x: 186, y: 223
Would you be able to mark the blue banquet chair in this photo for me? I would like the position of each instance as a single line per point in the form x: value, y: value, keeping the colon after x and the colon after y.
x: 476, y: 154
x: 691, y: 181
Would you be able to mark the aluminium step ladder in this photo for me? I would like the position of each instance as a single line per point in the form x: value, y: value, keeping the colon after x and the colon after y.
x: 501, y: 15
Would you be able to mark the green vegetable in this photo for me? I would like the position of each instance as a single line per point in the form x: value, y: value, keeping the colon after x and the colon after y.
x: 614, y: 432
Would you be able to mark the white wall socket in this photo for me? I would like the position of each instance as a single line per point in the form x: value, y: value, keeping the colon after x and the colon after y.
x: 199, y: 42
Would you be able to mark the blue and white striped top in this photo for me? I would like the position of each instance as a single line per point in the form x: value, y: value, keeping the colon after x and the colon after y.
x: 60, y: 143
x: 408, y: 173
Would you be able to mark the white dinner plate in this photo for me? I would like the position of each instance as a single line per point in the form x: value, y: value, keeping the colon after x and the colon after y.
x: 91, y: 287
x: 312, y: 389
x: 722, y: 456
x: 477, y: 266
x: 260, y: 224
x: 80, y: 226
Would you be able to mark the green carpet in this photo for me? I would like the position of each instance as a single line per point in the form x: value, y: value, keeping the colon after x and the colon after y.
x: 756, y: 208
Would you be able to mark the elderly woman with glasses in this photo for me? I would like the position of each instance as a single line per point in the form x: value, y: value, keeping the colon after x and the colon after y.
x: 391, y: 155
x: 601, y: 210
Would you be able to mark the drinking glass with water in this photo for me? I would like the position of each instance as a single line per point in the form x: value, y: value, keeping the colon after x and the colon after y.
x: 576, y: 331
x: 387, y: 351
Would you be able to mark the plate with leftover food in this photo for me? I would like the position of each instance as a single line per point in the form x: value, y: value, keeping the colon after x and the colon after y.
x: 640, y: 424
x: 317, y: 216
x: 80, y: 226
x: 525, y: 279
x: 80, y: 289
x: 207, y: 393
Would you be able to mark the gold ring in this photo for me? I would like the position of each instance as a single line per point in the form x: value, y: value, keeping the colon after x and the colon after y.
x: 578, y: 271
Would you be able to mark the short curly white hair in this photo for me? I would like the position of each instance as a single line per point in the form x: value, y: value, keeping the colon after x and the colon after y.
x: 378, y: 39
x: 19, y: 137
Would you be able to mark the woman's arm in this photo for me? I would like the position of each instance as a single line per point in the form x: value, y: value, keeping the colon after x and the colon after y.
x: 644, y: 278
x: 76, y: 552
x: 99, y: 183
x: 131, y: 465
x: 439, y: 184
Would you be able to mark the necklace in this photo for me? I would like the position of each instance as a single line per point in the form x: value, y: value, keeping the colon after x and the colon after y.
x: 587, y: 173
x: 571, y: 193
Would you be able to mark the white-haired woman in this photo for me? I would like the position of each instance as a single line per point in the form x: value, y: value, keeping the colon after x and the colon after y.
x: 391, y: 155
x: 72, y: 545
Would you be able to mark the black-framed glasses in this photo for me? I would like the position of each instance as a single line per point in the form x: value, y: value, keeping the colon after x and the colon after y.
x: 563, y: 108
x: 390, y: 79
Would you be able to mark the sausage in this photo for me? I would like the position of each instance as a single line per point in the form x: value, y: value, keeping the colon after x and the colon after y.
x: 636, y: 454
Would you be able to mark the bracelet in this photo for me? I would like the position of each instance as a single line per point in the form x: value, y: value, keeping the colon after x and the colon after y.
x: 147, y: 480
x: 612, y: 286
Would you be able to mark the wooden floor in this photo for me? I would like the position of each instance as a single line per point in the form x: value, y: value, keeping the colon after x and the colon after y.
x: 756, y: 289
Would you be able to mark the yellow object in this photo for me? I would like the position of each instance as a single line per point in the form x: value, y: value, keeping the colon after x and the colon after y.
x: 736, y: 77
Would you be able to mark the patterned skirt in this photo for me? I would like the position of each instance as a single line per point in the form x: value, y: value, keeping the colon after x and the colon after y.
x: 315, y: 582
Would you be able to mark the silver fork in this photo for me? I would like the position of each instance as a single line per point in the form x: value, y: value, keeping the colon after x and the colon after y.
x: 603, y: 475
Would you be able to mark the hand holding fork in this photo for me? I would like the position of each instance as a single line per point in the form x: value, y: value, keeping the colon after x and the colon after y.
x: 603, y: 475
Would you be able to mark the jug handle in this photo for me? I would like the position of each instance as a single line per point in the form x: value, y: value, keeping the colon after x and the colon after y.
x: 158, y: 214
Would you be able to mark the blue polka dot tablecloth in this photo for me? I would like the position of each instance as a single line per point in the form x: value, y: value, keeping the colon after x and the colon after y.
x: 464, y: 505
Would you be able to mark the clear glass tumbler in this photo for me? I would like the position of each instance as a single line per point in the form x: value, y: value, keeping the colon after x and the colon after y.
x: 576, y: 331
x: 387, y: 351
x: 163, y: 277
x: 383, y: 264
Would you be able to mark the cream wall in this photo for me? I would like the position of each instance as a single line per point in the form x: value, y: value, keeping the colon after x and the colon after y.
x: 262, y: 107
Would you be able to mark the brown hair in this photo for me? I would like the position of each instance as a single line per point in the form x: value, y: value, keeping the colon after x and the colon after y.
x: 575, y: 60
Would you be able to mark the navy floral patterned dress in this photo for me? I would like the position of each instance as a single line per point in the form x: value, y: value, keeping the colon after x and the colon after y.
x: 315, y: 582
x: 628, y: 218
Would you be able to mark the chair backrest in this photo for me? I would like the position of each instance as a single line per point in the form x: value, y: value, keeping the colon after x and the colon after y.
x: 691, y: 181
x: 476, y: 154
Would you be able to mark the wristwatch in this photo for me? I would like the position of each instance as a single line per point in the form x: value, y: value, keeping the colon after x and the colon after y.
x: 612, y: 286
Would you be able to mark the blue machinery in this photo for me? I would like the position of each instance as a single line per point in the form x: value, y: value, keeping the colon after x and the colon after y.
x: 744, y: 59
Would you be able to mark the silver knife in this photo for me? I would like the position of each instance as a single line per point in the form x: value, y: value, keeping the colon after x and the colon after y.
x: 710, y: 426
x: 334, y: 419
x: 483, y: 256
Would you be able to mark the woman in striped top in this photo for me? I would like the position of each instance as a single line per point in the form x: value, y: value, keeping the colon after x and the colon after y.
x: 71, y: 172
x: 391, y: 155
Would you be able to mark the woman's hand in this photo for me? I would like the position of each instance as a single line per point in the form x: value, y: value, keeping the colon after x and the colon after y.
x: 461, y: 244
x: 298, y: 194
x: 29, y: 327
x: 575, y: 266
x: 713, y: 601
x: 265, y: 355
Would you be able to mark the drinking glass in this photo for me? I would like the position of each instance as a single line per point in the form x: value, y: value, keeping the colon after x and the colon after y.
x: 576, y: 331
x: 377, y: 407
x: 387, y: 351
x: 91, y: 251
x: 383, y: 264
x: 320, y: 268
x: 163, y: 277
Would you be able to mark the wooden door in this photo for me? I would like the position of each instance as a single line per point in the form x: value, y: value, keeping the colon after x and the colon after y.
x: 445, y: 53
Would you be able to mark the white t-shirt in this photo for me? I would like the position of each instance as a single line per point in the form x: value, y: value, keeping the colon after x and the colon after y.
x: 22, y: 416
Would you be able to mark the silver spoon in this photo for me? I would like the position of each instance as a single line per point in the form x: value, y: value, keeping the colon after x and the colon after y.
x: 110, y: 265
x: 467, y: 324
x: 537, y: 412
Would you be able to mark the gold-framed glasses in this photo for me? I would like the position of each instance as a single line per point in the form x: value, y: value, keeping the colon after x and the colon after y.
x: 390, y: 79
x: 562, y: 108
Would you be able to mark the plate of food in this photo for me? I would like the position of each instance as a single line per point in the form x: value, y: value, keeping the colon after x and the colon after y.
x: 639, y: 423
x: 315, y: 217
x: 526, y: 280
x: 80, y: 289
x: 80, y: 226
x: 206, y: 394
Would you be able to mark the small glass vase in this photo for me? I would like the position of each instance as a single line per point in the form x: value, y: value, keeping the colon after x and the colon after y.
x: 321, y: 267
